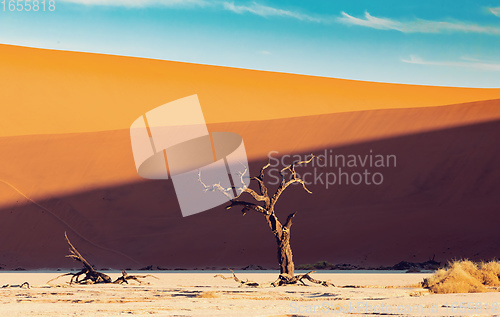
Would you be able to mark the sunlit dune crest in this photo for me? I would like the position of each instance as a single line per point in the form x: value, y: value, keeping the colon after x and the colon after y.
x: 50, y: 92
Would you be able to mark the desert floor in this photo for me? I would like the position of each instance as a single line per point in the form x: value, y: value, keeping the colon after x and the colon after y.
x: 200, y: 294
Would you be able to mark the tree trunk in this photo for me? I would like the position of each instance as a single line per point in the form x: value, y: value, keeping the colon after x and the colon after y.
x: 285, y: 253
x: 282, y: 235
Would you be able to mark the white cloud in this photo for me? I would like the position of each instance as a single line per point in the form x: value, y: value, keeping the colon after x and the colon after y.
x: 416, y: 26
x: 265, y: 52
x: 266, y: 11
x: 468, y: 63
x: 139, y: 3
x: 371, y: 22
x: 495, y: 11
x: 253, y: 8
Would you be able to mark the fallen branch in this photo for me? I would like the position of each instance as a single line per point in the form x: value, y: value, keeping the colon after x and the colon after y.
x: 125, y: 277
x: 283, y: 279
x: 234, y: 277
x: 24, y: 285
x: 287, y: 279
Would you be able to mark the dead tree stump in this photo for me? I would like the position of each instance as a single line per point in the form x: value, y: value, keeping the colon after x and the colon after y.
x: 90, y: 275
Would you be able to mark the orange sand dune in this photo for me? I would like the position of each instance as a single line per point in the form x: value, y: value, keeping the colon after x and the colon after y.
x: 50, y: 92
x: 441, y: 198
x: 52, y: 165
x: 296, y: 135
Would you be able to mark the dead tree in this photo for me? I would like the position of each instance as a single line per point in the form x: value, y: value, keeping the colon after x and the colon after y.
x: 91, y: 276
x: 265, y: 205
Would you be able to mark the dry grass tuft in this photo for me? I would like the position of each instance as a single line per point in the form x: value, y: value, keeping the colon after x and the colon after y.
x: 464, y: 276
x: 491, y: 273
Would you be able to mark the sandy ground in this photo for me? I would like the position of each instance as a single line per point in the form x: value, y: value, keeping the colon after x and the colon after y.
x: 200, y: 294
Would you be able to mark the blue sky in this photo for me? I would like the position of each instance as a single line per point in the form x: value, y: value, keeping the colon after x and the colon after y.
x: 439, y: 42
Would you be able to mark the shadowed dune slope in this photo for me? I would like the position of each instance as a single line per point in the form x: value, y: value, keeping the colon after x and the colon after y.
x: 52, y: 165
x: 440, y: 197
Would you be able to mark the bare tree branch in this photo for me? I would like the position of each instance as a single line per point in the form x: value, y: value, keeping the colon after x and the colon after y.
x: 215, y: 187
x: 255, y: 195
x: 75, y: 255
x: 245, y: 189
x: 262, y: 186
x: 260, y: 178
x: 269, y: 203
x: 241, y: 189
x: 247, y: 206
x: 293, y: 179
x: 288, y: 222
